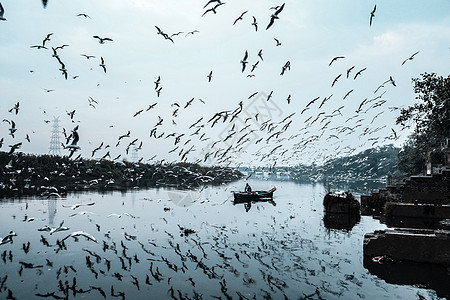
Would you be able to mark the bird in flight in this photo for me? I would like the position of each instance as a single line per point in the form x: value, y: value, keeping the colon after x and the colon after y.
x: 211, y: 1
x: 359, y: 73
x: 287, y: 66
x: 334, y: 59
x: 102, y: 64
x: 244, y: 61
x: 240, y: 17
x: 102, y: 40
x: 14, y: 147
x: 260, y: 54
x: 372, y: 14
x: 275, y: 16
x: 209, y: 76
x: 278, y: 42
x: 410, y: 58
x: 83, y: 15
x: 88, y: 56
x: 213, y: 9
x: 192, y: 32
x: 15, y: 108
x: 2, y: 12
x: 254, y: 23
x: 75, y: 138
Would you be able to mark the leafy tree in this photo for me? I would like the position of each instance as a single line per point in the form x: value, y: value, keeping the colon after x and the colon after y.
x: 430, y: 118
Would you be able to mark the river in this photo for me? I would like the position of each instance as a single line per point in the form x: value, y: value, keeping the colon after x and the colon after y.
x: 166, y: 243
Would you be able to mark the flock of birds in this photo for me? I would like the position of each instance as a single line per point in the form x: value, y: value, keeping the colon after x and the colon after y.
x: 246, y: 127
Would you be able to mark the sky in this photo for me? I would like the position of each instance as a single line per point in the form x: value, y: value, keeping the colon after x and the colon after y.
x: 279, y: 125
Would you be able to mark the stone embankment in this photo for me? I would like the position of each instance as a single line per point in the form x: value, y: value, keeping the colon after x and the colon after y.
x: 425, y: 246
x: 431, y: 190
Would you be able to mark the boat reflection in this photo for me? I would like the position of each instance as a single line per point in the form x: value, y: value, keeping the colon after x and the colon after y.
x: 430, y: 276
x: 248, y: 202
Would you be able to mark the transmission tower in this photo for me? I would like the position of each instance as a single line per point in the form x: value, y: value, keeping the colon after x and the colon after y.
x: 134, y: 154
x: 55, y: 143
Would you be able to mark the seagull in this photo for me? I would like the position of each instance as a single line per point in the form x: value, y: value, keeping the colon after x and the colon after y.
x: 372, y: 14
x: 260, y: 54
x: 278, y: 42
x: 16, y: 108
x: 73, y: 146
x: 336, y: 79
x: 240, y: 17
x: 391, y: 80
x: 102, y: 64
x: 209, y: 76
x: 88, y: 56
x: 192, y: 32
x: 2, y: 12
x: 12, y: 129
x: 255, y: 23
x: 14, y: 147
x: 287, y: 66
x: 244, y: 61
x: 82, y: 233
x: 8, y: 238
x: 359, y: 73
x: 275, y: 16
x: 334, y: 59
x: 102, y: 40
x: 349, y: 70
x: 211, y: 1
x: 83, y: 15
x: 213, y: 9
x: 410, y: 58
x: 61, y: 47
x: 38, y: 47
x: 75, y: 206
x: 47, y: 38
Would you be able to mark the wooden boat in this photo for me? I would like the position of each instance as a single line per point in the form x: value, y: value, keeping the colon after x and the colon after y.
x: 242, y: 197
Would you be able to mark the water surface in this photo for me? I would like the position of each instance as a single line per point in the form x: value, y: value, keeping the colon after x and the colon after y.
x: 163, y: 243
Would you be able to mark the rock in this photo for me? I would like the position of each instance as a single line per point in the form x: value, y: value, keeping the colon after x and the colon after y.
x: 341, y: 203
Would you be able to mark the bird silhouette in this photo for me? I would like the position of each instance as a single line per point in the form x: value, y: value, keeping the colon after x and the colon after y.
x: 2, y: 12
x: 372, y: 15
x: 244, y: 61
x: 102, y: 40
x: 410, y: 58
x: 240, y: 17
x: 275, y: 16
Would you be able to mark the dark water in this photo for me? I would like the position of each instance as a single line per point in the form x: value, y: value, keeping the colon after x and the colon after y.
x: 271, y: 251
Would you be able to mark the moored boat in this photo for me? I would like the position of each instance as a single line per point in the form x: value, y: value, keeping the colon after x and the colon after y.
x: 240, y: 197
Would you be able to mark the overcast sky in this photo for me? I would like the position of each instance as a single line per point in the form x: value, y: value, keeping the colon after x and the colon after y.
x: 263, y: 131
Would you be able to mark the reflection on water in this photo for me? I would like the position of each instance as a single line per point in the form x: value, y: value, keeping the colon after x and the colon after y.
x: 188, y: 244
x: 432, y: 276
x: 340, y: 221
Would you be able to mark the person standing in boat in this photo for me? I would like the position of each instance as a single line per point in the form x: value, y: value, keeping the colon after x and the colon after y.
x: 248, y: 188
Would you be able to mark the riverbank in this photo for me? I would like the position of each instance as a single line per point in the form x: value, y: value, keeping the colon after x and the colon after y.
x: 27, y: 175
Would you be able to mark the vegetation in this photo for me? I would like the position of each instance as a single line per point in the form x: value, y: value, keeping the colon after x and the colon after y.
x: 430, y: 118
x: 371, y: 164
x: 25, y: 174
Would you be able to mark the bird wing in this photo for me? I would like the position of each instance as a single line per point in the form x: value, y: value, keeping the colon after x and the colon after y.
x: 76, y: 138
x: 272, y: 19
x: 2, y: 10
x: 279, y: 10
